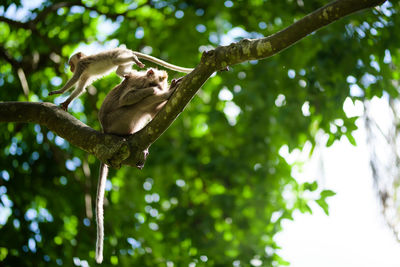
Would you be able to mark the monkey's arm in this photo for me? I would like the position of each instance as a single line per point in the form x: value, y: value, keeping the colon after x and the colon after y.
x: 83, y: 82
x: 134, y: 95
x: 77, y: 74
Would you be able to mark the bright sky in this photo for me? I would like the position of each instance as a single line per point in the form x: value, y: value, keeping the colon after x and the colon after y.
x: 354, y: 234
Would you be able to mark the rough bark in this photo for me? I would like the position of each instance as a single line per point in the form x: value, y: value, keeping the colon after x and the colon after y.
x: 108, y: 148
x: 115, y: 150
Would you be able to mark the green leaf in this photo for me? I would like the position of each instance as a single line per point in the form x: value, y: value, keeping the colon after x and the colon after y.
x: 351, y: 139
x: 310, y: 186
x: 322, y: 200
x: 322, y: 203
x: 327, y: 193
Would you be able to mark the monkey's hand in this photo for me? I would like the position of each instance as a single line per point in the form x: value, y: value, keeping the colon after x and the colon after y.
x: 175, y: 83
x: 173, y: 86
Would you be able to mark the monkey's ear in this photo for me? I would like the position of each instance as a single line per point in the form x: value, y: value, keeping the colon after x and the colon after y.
x: 79, y: 55
x: 150, y: 72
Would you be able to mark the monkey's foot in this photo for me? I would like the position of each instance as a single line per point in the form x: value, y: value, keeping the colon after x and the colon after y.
x: 140, y: 64
x: 64, y: 105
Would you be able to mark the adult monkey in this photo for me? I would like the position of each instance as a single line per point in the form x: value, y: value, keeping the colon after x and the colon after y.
x: 127, y: 109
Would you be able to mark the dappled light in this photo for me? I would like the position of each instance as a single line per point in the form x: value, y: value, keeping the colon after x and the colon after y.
x: 272, y: 82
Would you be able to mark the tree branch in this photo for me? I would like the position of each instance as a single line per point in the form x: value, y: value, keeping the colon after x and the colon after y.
x: 244, y: 50
x: 108, y: 148
x: 115, y: 150
x: 18, y: 68
x: 16, y: 24
x: 41, y: 15
x: 265, y: 47
x: 7, y: 57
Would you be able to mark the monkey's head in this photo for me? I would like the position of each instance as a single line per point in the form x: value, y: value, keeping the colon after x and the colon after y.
x: 147, y: 78
x: 73, y: 61
x: 155, y: 77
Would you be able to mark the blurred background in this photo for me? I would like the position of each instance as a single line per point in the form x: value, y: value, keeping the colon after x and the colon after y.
x: 235, y: 179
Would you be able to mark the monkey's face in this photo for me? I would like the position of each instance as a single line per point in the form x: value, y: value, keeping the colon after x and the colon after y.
x: 73, y: 61
x: 155, y: 77
x: 148, y: 78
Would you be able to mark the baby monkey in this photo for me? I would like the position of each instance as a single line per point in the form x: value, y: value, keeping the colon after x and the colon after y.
x: 87, y: 69
x: 125, y: 110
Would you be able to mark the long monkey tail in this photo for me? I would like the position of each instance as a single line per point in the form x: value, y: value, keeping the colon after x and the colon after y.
x: 162, y: 63
x: 101, y: 186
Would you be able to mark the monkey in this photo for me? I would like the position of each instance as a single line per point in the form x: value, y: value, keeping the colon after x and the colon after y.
x: 126, y: 109
x: 87, y: 69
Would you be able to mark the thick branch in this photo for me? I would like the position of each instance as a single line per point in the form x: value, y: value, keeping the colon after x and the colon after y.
x: 108, y: 148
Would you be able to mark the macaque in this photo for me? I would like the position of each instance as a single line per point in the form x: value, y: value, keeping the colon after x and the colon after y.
x: 125, y: 110
x: 87, y: 69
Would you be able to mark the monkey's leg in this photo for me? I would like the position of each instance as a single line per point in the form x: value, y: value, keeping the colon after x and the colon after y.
x: 124, y: 60
x: 77, y: 92
x: 123, y: 70
x: 71, y: 82
x: 136, y: 95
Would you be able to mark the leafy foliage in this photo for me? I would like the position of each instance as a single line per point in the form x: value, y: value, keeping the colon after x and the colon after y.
x: 215, y: 188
